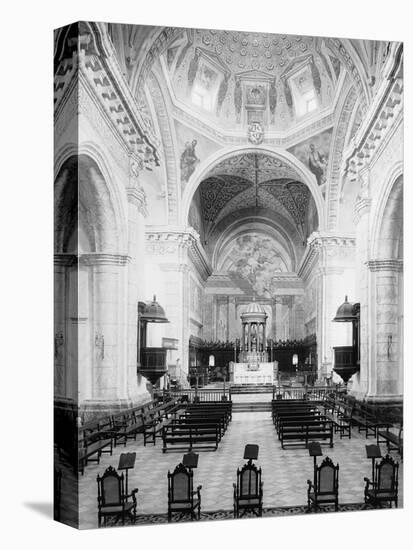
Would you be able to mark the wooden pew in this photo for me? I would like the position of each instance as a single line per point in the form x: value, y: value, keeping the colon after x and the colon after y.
x: 185, y: 437
x: 304, y: 431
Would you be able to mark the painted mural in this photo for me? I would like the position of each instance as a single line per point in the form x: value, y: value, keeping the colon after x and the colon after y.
x: 256, y: 259
x: 193, y: 148
x: 314, y: 153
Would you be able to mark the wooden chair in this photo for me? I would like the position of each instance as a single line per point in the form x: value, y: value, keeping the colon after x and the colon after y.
x: 112, y: 500
x: 385, y: 484
x: 181, y: 496
x: 324, y: 490
x: 248, y: 491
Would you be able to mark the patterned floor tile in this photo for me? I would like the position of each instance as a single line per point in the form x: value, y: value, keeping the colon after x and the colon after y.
x: 284, y: 472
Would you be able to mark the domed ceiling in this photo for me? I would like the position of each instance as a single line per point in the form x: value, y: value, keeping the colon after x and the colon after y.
x: 234, y: 78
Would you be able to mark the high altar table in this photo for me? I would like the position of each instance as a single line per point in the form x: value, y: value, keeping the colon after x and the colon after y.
x: 266, y: 373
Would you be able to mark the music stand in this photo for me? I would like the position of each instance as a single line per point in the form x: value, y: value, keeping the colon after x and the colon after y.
x: 373, y: 452
x: 190, y: 460
x: 126, y: 462
x: 314, y: 450
x: 251, y: 452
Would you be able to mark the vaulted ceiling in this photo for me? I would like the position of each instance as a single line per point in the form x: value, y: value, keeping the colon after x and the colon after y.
x: 253, y: 181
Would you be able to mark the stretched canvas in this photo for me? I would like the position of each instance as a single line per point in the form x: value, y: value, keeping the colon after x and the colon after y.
x: 228, y: 326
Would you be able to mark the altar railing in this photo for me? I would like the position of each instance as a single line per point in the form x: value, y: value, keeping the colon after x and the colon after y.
x: 223, y: 394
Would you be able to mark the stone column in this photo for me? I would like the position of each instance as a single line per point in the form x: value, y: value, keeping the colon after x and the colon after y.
x: 329, y: 265
x: 233, y: 326
x: 136, y: 384
x: 264, y: 343
x: 385, y: 380
x: 360, y: 381
x: 66, y: 357
x: 102, y: 356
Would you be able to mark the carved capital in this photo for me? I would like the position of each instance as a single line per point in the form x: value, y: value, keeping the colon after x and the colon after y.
x: 324, y: 249
x: 385, y: 265
x: 103, y: 258
x: 65, y: 259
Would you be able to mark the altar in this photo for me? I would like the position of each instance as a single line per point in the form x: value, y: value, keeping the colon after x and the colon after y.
x: 266, y: 373
x: 253, y: 366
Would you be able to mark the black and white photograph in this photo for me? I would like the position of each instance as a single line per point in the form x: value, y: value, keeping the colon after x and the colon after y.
x: 228, y: 274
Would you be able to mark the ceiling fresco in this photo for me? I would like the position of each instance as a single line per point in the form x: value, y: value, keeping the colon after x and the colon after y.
x: 256, y: 258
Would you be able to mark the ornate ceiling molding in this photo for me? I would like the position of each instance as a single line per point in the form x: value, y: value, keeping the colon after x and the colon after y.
x: 344, y: 50
x: 91, y: 56
x: 324, y: 121
x: 384, y: 113
x: 217, y: 191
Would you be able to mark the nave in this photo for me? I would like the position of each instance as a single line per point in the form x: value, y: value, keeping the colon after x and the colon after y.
x: 284, y: 472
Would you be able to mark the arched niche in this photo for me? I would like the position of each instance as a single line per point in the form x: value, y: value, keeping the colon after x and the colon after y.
x: 85, y: 216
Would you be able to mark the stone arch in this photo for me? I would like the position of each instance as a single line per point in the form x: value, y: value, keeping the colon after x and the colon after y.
x: 334, y: 178
x: 86, y: 196
x: 303, y: 174
x: 169, y: 147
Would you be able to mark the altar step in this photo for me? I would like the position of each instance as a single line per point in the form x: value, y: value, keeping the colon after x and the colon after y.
x: 257, y: 406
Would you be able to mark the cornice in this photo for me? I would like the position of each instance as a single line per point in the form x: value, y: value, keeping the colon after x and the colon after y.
x: 317, y: 243
x: 181, y: 241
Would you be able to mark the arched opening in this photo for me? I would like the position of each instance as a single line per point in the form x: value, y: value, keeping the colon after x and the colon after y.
x: 85, y: 229
x: 254, y: 211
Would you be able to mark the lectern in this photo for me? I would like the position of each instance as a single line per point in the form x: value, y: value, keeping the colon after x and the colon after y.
x: 251, y: 452
x: 126, y: 462
x: 373, y: 452
x: 190, y: 460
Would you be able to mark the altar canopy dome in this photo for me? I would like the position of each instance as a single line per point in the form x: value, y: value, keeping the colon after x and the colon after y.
x: 254, y: 313
x: 255, y: 307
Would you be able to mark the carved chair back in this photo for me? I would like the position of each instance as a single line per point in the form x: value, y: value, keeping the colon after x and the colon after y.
x: 248, y: 481
x: 386, y: 476
x: 326, y: 478
x: 180, y: 485
x: 110, y: 488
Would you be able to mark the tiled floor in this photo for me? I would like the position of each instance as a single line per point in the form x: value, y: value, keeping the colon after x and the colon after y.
x: 284, y: 472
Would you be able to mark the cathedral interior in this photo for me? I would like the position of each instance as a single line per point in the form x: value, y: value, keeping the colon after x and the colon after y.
x: 228, y: 229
